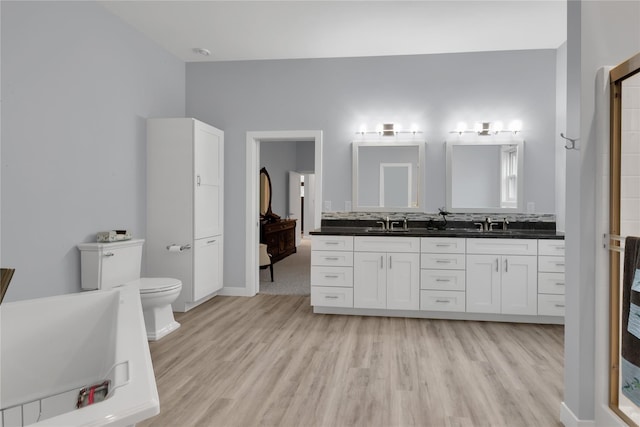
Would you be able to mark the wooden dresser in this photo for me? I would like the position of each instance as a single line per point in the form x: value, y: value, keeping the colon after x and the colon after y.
x: 280, y: 238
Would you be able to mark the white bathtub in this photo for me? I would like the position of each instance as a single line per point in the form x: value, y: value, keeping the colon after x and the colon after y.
x: 50, y: 348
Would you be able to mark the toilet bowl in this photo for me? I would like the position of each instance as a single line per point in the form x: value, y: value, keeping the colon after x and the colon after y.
x: 106, y: 265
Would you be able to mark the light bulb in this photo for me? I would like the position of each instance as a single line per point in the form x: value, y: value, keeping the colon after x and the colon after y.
x: 461, y: 127
x: 477, y: 127
x: 497, y: 127
x: 515, y: 126
x: 363, y: 129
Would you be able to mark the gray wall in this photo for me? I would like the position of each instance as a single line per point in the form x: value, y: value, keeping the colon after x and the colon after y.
x: 599, y: 33
x: 338, y: 95
x: 561, y: 127
x: 280, y: 157
x: 77, y: 86
x: 305, y: 156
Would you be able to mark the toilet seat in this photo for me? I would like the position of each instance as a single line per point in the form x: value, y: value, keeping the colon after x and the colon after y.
x: 152, y: 285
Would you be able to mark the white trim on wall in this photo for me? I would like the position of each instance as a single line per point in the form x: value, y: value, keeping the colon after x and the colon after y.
x: 252, y: 225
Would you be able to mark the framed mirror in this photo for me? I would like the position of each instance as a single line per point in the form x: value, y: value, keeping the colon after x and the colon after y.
x: 265, y: 197
x: 387, y: 176
x: 485, y: 174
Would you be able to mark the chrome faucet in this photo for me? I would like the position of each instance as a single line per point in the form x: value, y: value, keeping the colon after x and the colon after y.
x: 505, y: 222
x: 405, y: 224
x: 486, y: 225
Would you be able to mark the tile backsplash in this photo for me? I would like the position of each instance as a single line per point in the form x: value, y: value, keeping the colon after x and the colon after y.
x: 423, y: 216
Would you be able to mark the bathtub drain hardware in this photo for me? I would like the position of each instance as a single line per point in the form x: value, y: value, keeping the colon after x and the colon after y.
x: 92, y: 394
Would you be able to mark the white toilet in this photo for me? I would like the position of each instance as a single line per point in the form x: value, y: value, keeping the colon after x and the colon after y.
x: 106, y: 265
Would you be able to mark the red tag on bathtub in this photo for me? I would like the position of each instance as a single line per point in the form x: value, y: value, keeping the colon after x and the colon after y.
x: 92, y: 394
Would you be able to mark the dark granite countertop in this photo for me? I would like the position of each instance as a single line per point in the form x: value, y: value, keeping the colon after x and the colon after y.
x: 525, y: 231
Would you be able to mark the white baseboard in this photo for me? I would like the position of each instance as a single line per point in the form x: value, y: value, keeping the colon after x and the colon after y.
x: 235, y: 291
x: 569, y: 419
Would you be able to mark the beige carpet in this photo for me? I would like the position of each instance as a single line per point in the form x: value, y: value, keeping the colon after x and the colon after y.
x: 292, y: 275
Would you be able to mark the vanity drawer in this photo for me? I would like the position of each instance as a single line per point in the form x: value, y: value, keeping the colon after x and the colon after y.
x: 550, y: 305
x: 492, y: 246
x: 551, y: 283
x: 386, y: 244
x: 552, y: 264
x: 336, y: 258
x: 331, y: 243
x: 551, y: 247
x: 442, y: 301
x: 331, y: 297
x: 442, y: 261
x: 443, y: 280
x: 332, y: 276
x: 442, y: 245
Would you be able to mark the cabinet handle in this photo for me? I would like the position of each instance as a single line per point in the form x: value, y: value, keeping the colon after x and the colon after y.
x: 443, y: 301
x: 497, y: 268
x: 210, y: 241
x: 381, y: 262
x: 443, y: 261
x: 331, y: 296
x: 108, y: 254
x: 331, y: 276
x: 506, y: 265
x: 198, y: 180
x: 331, y: 243
x: 559, y: 283
x: 443, y: 245
x: 443, y: 280
x: 390, y: 262
x: 559, y: 264
x: 560, y: 305
x: 330, y: 258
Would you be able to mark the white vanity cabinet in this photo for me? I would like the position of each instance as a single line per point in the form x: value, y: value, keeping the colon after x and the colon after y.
x: 332, y: 271
x: 494, y: 279
x: 386, y: 272
x: 185, y: 173
x: 442, y: 274
x: 551, y: 284
x: 502, y: 276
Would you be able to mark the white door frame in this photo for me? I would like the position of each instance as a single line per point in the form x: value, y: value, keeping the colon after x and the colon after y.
x: 252, y: 224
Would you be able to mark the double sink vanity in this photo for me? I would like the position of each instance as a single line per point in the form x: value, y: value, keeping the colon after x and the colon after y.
x: 514, y: 275
x: 390, y: 258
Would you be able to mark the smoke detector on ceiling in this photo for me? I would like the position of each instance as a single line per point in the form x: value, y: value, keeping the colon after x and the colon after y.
x: 202, y: 51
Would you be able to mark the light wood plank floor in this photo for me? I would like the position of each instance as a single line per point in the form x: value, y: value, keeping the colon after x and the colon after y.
x: 268, y: 360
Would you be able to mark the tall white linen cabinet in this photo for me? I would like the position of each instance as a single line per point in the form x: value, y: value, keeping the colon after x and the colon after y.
x: 185, y: 193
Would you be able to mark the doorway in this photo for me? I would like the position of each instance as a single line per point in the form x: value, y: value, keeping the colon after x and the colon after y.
x: 252, y: 223
x: 624, y: 296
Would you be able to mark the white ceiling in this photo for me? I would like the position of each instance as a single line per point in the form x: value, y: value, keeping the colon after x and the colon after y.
x: 250, y: 30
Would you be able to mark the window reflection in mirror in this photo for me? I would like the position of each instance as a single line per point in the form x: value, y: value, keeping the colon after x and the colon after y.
x: 485, y: 175
x: 387, y: 176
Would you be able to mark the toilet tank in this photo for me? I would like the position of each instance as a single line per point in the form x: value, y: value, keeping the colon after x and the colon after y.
x: 105, y: 265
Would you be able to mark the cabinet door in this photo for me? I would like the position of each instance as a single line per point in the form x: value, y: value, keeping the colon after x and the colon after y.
x: 206, y: 215
x: 207, y: 193
x: 519, y: 285
x: 369, y: 280
x: 483, y: 283
x: 206, y: 275
x: 403, y: 281
x: 207, y: 151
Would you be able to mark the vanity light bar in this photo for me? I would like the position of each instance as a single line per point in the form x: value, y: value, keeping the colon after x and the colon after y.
x: 388, y: 129
x: 488, y: 128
